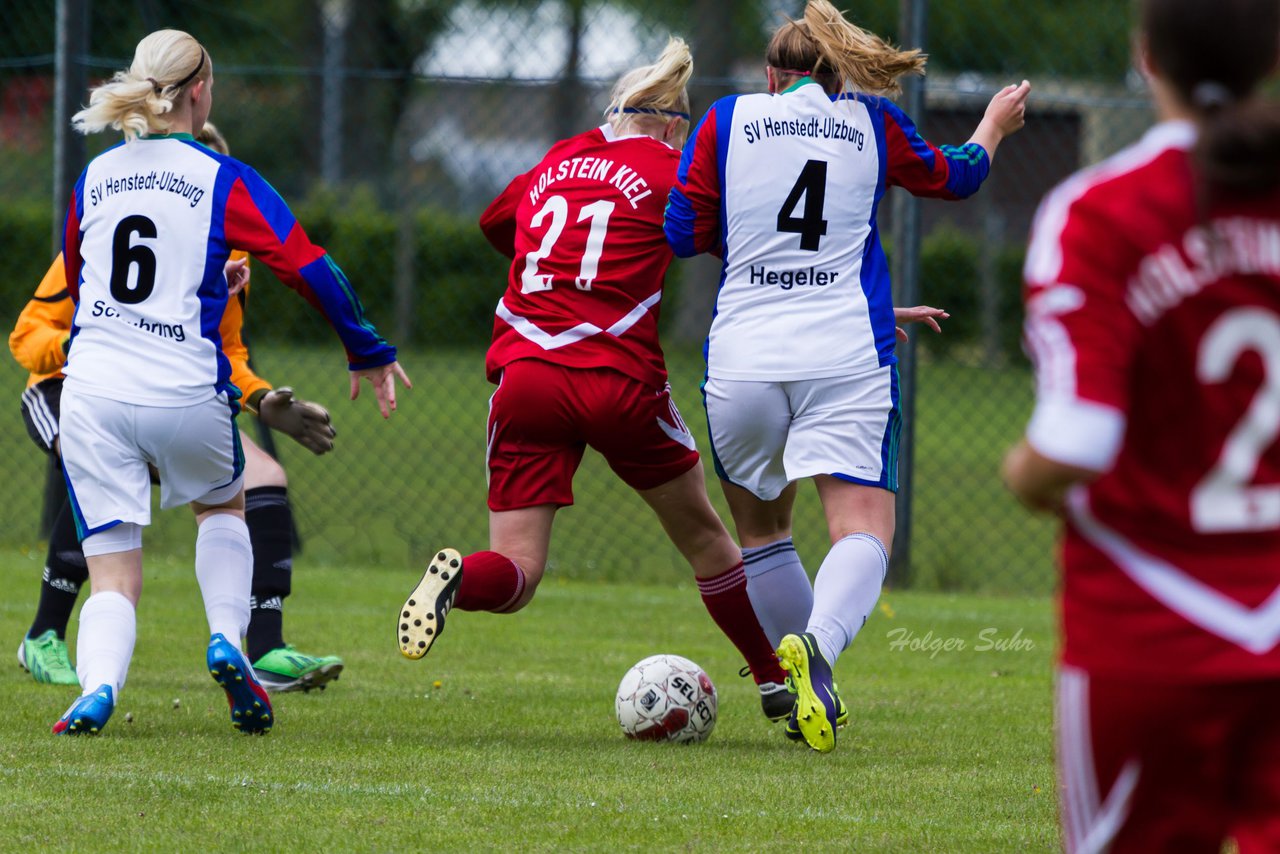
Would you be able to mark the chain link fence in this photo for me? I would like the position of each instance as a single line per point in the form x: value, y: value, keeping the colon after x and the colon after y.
x: 389, y: 124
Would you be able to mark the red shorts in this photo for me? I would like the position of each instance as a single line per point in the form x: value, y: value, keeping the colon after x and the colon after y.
x: 543, y: 416
x: 1151, y: 767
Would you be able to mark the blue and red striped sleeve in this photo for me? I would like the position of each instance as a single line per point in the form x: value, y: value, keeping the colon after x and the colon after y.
x: 924, y: 169
x: 258, y: 221
x: 498, y: 222
x: 693, y: 216
x: 71, y: 239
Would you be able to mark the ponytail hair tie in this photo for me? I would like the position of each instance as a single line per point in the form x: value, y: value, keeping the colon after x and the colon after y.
x: 1210, y: 96
x: 155, y: 84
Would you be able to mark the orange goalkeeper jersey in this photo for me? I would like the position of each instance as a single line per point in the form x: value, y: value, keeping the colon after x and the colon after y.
x: 39, y: 337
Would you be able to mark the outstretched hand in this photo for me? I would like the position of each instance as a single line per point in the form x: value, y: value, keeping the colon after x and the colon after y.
x: 918, y: 314
x: 305, y: 422
x: 383, y: 378
x: 237, y: 273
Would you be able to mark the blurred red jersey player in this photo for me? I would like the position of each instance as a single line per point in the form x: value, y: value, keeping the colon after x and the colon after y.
x: 1153, y: 315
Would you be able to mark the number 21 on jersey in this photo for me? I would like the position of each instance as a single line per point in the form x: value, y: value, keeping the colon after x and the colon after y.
x: 557, y: 208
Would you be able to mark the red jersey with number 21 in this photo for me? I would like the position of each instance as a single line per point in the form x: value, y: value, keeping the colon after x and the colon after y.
x: 1155, y: 328
x: 584, y: 229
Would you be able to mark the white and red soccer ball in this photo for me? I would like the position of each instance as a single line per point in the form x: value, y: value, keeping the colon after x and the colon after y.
x: 666, y: 698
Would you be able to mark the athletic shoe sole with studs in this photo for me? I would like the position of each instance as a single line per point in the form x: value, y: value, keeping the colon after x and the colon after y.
x: 817, y: 708
x: 88, y: 714
x: 421, y: 618
x: 250, y: 707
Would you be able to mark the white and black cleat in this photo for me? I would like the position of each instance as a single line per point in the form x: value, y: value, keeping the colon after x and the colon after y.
x: 421, y: 618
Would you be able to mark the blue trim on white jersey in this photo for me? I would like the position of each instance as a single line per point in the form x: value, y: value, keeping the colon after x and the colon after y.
x: 213, y: 285
x: 874, y: 274
x: 724, y: 131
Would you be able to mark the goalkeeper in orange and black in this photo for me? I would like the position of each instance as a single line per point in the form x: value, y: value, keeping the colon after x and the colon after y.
x: 39, y: 342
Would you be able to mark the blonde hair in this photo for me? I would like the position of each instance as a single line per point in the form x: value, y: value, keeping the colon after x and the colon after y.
x: 837, y: 52
x: 656, y: 90
x: 212, y: 138
x: 135, y: 100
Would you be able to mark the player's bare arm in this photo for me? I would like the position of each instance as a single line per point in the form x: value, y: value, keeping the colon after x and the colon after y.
x: 1039, y: 482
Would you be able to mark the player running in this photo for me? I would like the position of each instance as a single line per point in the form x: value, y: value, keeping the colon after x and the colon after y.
x: 801, y: 372
x: 576, y: 358
x: 38, y: 342
x: 1153, y: 317
x: 149, y: 229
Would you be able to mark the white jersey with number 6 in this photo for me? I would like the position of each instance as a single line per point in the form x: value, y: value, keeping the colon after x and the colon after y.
x: 149, y: 228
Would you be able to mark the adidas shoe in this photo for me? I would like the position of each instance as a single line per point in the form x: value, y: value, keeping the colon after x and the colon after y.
x: 817, y: 707
x: 250, y: 707
x: 45, y: 658
x: 285, y: 669
x: 88, y: 714
x: 776, y: 698
x: 422, y: 616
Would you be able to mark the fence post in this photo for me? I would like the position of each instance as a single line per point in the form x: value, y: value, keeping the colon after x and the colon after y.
x: 906, y: 277
x: 71, y: 46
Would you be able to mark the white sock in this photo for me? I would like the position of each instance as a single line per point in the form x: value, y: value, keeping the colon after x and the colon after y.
x: 779, y: 589
x: 224, y: 568
x: 846, y: 590
x: 108, y: 629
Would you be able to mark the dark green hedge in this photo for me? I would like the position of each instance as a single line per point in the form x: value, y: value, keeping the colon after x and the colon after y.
x: 459, y: 278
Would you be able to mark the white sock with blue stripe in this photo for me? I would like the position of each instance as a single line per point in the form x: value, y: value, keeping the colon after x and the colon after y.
x: 224, y: 568
x: 846, y: 590
x: 104, y: 646
x: 779, y: 589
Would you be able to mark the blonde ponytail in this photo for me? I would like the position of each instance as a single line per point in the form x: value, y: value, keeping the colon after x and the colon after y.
x: 839, y: 53
x: 135, y: 100
x: 657, y: 90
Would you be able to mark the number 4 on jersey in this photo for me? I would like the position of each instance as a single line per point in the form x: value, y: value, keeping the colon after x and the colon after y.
x: 812, y: 184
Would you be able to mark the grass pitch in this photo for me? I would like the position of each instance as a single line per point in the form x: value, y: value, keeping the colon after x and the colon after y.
x: 517, y: 748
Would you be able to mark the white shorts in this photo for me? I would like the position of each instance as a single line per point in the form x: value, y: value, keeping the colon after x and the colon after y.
x: 107, y: 444
x: 764, y: 435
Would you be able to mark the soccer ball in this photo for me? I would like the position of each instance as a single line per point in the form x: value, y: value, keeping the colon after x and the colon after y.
x: 666, y: 698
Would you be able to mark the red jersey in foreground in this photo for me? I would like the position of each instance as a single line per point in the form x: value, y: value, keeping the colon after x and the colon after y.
x: 584, y: 229
x: 1155, y: 330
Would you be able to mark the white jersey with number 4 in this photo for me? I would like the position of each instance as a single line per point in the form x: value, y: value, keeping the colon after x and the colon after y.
x: 786, y: 189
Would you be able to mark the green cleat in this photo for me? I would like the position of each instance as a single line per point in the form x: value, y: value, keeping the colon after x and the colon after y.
x: 285, y: 669
x: 45, y: 658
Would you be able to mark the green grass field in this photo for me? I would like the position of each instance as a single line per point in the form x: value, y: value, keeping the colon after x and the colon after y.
x: 517, y: 749
x: 393, y: 492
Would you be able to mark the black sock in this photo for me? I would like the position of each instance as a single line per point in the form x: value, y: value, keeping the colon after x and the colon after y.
x: 270, y: 522
x: 65, y: 570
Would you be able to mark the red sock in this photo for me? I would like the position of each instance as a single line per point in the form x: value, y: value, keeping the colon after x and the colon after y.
x: 490, y: 582
x: 725, y: 596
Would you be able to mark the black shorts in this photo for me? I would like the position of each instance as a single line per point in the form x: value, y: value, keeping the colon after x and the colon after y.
x: 41, y: 407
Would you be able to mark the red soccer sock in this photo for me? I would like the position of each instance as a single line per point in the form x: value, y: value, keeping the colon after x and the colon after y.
x: 490, y: 582
x: 725, y: 596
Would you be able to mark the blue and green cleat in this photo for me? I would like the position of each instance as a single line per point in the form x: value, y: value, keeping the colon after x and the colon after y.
x: 88, y: 714
x: 818, y: 710
x: 285, y: 669
x: 45, y: 658
x: 250, y: 707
